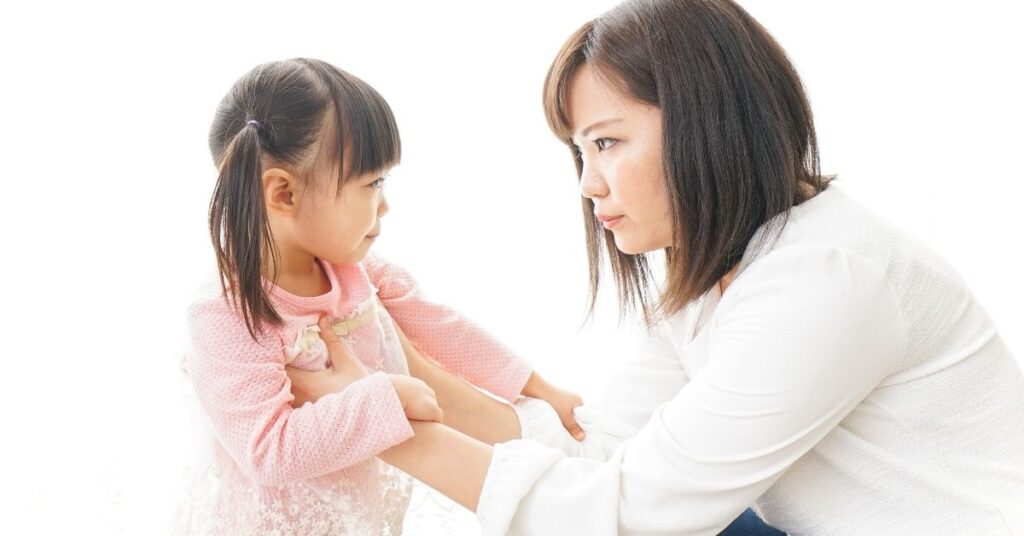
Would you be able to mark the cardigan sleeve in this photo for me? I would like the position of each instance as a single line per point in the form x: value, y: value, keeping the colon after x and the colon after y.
x: 242, y: 387
x: 798, y: 340
x: 448, y: 337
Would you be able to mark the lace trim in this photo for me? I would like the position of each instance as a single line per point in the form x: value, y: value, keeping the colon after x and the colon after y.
x: 216, y: 503
x: 309, y: 337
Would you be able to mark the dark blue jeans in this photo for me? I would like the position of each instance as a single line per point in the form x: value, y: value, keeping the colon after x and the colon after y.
x: 748, y: 524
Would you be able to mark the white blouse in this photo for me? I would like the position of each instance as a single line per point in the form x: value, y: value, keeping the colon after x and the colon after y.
x: 847, y: 382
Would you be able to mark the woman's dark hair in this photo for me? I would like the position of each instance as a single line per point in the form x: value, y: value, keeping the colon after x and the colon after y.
x: 739, y: 145
x: 281, y: 113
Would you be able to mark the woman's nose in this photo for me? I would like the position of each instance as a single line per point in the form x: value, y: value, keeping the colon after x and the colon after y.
x: 592, y: 184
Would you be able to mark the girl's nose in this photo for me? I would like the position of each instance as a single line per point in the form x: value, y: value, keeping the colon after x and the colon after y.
x: 382, y: 208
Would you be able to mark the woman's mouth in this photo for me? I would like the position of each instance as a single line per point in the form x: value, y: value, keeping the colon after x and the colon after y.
x: 609, y: 221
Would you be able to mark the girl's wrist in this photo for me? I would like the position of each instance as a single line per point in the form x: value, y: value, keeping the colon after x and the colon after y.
x: 350, y: 372
x: 536, y: 386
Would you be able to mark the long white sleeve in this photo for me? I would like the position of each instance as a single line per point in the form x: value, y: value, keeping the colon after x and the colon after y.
x: 648, y: 378
x: 798, y: 340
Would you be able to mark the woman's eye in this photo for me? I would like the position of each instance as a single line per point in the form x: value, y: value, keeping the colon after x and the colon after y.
x: 378, y: 184
x: 604, y: 144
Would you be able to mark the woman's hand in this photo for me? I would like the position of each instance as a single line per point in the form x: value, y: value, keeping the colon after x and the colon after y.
x: 309, y: 386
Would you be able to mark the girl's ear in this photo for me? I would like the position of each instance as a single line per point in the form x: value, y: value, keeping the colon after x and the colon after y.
x: 280, y: 191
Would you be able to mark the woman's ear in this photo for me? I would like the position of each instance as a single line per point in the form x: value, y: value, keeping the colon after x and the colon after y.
x: 280, y: 191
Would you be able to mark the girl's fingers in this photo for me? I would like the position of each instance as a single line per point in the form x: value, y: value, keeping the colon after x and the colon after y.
x: 570, y: 419
x: 327, y: 331
x: 337, y: 351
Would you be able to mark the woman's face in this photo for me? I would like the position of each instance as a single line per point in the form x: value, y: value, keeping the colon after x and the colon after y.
x: 619, y: 140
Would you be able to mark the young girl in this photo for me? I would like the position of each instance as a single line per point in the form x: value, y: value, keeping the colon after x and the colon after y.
x: 302, y: 150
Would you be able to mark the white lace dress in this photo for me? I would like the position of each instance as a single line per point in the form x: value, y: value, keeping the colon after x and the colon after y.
x: 368, y: 498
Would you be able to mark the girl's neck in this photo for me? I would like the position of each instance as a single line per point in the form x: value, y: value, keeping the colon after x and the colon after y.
x: 300, y: 274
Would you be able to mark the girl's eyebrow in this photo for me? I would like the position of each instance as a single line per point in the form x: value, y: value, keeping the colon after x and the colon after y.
x: 601, y: 123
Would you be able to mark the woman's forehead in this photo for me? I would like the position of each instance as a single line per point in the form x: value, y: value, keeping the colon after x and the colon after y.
x: 594, y: 100
x: 591, y: 98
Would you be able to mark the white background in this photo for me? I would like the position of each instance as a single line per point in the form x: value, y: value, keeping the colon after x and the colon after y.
x: 106, y: 179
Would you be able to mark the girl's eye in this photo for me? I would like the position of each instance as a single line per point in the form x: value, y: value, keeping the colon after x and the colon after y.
x: 378, y: 184
x: 603, y: 144
x: 576, y: 152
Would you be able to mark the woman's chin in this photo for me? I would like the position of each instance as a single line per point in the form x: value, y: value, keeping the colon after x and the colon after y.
x: 630, y: 248
x: 634, y: 247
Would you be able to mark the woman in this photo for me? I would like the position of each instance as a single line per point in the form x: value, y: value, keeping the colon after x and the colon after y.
x: 804, y: 355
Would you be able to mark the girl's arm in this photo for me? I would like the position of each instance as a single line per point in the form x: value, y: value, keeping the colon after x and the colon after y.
x: 465, y: 407
x: 440, y: 332
x: 447, y: 460
x: 243, y: 389
x: 650, y: 376
x: 461, y: 346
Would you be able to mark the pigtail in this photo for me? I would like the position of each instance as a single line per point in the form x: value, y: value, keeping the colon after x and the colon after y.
x: 240, y: 230
x: 294, y: 100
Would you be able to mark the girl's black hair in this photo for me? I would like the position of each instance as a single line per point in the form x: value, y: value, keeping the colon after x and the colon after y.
x: 275, y: 114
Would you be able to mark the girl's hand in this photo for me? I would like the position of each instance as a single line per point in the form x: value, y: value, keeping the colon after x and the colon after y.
x: 343, y: 362
x: 309, y: 386
x: 563, y: 401
x: 418, y: 399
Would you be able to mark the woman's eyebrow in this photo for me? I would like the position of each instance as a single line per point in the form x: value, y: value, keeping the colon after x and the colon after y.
x: 600, y: 123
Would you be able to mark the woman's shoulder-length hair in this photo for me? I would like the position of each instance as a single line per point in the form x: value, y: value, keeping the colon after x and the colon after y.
x: 739, y: 146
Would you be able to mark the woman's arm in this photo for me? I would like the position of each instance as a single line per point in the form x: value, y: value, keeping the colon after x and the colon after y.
x: 466, y: 408
x: 800, y: 340
x: 449, y: 461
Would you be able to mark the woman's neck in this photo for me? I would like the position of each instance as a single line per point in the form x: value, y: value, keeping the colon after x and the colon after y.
x: 724, y: 282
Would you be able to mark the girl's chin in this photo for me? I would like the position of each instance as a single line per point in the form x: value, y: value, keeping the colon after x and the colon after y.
x: 355, y: 256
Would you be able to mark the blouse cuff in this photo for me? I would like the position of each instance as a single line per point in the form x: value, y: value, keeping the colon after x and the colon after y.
x: 539, y: 421
x: 515, y: 467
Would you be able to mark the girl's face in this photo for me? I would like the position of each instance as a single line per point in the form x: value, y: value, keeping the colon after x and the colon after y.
x: 340, y: 227
x: 619, y: 140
